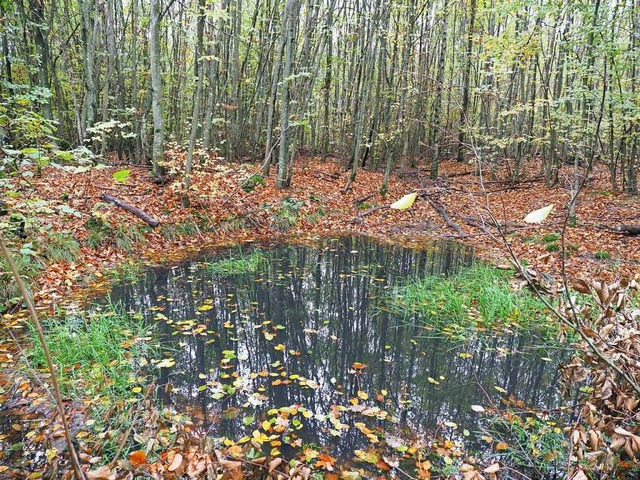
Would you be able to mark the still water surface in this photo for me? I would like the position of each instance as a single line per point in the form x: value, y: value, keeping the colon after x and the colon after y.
x: 305, y: 331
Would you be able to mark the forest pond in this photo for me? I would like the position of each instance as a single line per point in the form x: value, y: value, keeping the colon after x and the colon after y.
x: 299, y: 337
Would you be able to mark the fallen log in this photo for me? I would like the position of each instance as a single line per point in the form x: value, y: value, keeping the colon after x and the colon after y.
x: 130, y: 208
x: 628, y: 229
x: 357, y: 218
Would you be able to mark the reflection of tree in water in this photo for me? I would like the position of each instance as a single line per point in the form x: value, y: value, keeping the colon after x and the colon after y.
x: 324, y: 301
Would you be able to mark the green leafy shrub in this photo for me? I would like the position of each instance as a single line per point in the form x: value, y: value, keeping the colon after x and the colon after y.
x: 250, y: 184
x: 287, y: 214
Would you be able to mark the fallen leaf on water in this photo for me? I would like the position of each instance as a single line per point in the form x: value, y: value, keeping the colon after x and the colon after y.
x: 350, y: 475
x: 493, y: 468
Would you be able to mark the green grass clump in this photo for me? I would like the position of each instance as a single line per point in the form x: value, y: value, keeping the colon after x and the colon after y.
x: 237, y: 265
x: 537, y: 447
x: 552, y: 247
x: 551, y: 237
x: 126, y: 238
x: 95, y: 355
x: 9, y: 292
x: 479, y: 296
x: 101, y: 233
x: 602, y: 255
x: 61, y: 247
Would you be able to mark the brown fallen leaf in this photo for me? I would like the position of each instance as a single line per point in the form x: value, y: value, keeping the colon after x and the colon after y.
x: 175, y: 463
x: 275, y: 463
x: 102, y: 473
x: 493, y: 468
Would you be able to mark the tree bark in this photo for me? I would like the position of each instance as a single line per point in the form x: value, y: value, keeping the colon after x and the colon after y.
x: 466, y: 82
x: 156, y: 89
x: 288, y: 29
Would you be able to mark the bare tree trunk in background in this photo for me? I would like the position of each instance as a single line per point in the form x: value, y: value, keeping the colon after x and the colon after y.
x: 288, y: 30
x: 89, y: 32
x: 466, y: 82
x: 587, y: 116
x: 630, y: 179
x: 5, y: 48
x: 156, y: 89
x: 436, y: 124
x: 44, y: 56
x: 326, y: 125
x: 195, y: 118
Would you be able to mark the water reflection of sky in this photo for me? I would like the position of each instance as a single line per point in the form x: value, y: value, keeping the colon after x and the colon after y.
x: 290, y: 333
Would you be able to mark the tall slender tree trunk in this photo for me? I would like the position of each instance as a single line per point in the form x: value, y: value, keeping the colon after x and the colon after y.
x: 437, y: 107
x: 288, y: 30
x: 326, y: 126
x: 157, y: 152
x: 44, y: 56
x: 630, y: 178
x: 587, y: 114
x: 273, y: 94
x: 195, y: 118
x: 466, y: 82
x: 89, y: 32
x: 5, y: 49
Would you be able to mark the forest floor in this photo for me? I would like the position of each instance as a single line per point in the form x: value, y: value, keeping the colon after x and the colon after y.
x: 317, y: 205
x: 457, y: 206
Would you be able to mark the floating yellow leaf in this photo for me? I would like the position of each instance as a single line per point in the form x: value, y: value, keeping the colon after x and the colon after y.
x: 166, y: 363
x: 368, y: 457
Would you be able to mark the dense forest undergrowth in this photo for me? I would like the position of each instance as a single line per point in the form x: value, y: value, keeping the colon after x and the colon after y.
x: 58, y: 218
x: 235, y: 120
x: 72, y: 244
